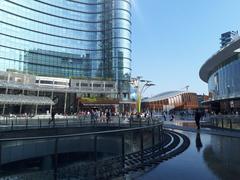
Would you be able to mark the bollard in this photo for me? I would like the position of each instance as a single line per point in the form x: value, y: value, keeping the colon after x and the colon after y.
x: 222, y: 123
x: 40, y: 123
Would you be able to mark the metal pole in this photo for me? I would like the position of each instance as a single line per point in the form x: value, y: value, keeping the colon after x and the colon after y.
x: 51, y: 106
x: 65, y: 103
x: 153, y: 140
x: 159, y: 136
x: 130, y: 121
x: 123, y: 152
x: 36, y: 108
x: 55, y: 159
x: 95, y: 148
x: 3, y: 112
x: 12, y: 125
x: 141, y: 146
x: 4, y: 106
x: 230, y: 123
x: 26, y: 122
x: 20, y: 110
x: 119, y: 121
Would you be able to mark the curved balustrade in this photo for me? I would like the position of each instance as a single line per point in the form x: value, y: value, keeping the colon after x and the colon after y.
x: 106, y: 154
x: 10, y: 123
x: 224, y: 121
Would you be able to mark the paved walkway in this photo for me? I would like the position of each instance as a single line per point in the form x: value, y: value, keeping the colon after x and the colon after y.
x: 190, y: 126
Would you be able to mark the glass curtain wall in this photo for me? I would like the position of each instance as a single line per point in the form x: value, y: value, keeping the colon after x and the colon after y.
x: 225, y: 81
x: 67, y: 38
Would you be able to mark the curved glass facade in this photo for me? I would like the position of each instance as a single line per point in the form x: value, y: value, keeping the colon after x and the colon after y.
x: 225, y: 81
x: 67, y: 38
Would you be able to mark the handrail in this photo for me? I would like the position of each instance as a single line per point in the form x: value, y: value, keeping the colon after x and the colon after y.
x: 82, y: 134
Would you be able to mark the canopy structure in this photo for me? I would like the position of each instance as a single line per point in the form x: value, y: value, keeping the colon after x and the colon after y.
x: 163, y: 96
x: 25, y: 100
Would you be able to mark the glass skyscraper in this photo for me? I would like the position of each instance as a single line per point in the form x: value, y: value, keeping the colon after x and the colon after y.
x: 67, y: 38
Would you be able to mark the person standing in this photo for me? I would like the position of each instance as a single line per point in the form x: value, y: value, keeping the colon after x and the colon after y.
x: 197, y: 118
x: 92, y: 114
x: 164, y: 116
x: 53, y: 117
x: 108, y: 116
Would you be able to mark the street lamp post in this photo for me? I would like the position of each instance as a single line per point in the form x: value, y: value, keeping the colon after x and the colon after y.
x: 141, y: 86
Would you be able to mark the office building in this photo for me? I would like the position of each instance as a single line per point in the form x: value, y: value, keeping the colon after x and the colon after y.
x: 222, y: 73
x: 71, y: 49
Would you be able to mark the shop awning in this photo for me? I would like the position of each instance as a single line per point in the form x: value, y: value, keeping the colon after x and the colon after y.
x: 24, y: 100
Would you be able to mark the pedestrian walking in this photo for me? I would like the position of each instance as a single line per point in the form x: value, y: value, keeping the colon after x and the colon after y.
x: 52, y: 117
x: 197, y: 118
x: 108, y: 116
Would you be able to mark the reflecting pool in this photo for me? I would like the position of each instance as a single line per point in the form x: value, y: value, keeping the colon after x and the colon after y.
x: 208, y: 157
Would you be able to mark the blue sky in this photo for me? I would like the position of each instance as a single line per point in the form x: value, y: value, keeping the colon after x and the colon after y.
x: 173, y: 38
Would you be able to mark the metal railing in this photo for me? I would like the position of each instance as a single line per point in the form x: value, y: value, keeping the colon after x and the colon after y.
x: 126, y: 141
x: 224, y: 121
x: 21, y: 123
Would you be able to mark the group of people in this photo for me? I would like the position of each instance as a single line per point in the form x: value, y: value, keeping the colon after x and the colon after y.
x: 165, y: 116
x: 102, y: 116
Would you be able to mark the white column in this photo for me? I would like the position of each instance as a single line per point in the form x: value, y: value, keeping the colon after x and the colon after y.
x: 4, y: 106
x: 20, y: 111
x: 51, y: 104
x: 65, y: 103
x: 36, y: 108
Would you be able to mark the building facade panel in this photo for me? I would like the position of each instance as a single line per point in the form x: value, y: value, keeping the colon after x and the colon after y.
x: 222, y: 73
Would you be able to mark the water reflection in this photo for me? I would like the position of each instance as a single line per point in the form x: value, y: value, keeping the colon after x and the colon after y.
x: 198, y: 142
x: 208, y: 157
x: 222, y: 157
